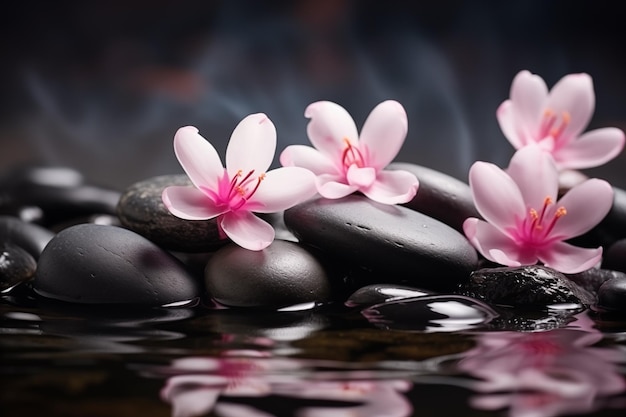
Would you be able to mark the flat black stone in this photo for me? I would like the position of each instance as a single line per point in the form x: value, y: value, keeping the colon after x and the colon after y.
x: 440, y: 196
x: 525, y: 286
x: 380, y: 293
x: 16, y: 265
x: 593, y: 278
x: 96, y: 264
x: 406, y: 247
x: 283, y: 274
x: 30, y: 237
x: 612, y: 294
x: 141, y: 209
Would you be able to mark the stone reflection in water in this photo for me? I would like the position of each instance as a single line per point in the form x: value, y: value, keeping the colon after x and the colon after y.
x: 199, y: 385
x: 545, y: 374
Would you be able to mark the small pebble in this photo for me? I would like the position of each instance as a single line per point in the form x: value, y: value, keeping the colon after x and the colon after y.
x: 612, y: 295
x: 380, y: 293
x: 16, y: 265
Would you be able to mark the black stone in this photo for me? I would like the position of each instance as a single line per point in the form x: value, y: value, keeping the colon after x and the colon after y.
x: 16, y: 265
x: 612, y: 294
x: 615, y: 256
x: 380, y: 293
x: 435, y: 313
x: 525, y: 286
x: 405, y: 246
x: 611, y: 229
x: 58, y: 191
x: 283, y: 274
x: 28, y: 236
x: 593, y: 278
x: 96, y: 264
x: 141, y: 209
x: 440, y: 196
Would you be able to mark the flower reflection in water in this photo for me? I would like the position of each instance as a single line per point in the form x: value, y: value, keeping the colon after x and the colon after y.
x: 199, y: 383
x: 544, y: 374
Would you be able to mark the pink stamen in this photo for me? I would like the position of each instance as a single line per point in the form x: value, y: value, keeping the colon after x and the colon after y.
x: 548, y: 128
x: 351, y: 155
x: 538, y: 228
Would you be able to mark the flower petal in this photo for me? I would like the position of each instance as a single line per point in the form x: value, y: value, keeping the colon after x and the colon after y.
x: 495, y: 245
x: 529, y: 93
x: 535, y: 173
x: 573, y: 94
x: 252, y: 145
x: 509, y: 124
x: 361, y: 177
x: 570, y: 259
x: 330, y: 186
x: 189, y: 203
x: 592, y: 149
x: 247, y: 230
x: 283, y: 188
x: 330, y: 124
x: 383, y: 133
x: 393, y: 187
x: 307, y: 157
x: 198, y: 158
x: 586, y: 205
x: 496, y: 196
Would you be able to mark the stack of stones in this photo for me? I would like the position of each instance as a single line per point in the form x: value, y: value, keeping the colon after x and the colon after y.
x: 74, y: 242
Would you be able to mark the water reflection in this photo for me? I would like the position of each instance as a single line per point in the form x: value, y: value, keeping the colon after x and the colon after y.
x: 544, y: 374
x: 201, y: 385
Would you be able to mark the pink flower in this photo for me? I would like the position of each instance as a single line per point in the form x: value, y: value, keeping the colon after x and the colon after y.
x: 345, y: 162
x: 555, y: 120
x: 232, y: 194
x: 525, y: 222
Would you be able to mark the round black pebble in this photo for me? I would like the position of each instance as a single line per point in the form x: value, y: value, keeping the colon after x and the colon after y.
x: 16, y: 265
x: 440, y: 196
x: 96, y: 264
x: 404, y: 246
x: 612, y: 295
x: 615, y: 256
x: 28, y: 236
x: 380, y: 293
x: 283, y: 274
x: 141, y: 209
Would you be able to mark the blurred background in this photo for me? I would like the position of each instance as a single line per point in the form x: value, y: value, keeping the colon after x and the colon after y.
x: 102, y: 86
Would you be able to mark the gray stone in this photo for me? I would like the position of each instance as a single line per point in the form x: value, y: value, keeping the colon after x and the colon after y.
x: 525, y: 286
x: 16, y: 265
x: 141, y: 209
x: 96, y: 264
x: 440, y: 196
x: 615, y: 256
x: 402, y: 245
x: 283, y: 274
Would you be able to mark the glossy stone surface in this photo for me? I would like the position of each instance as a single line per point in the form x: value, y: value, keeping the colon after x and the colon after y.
x: 406, y: 247
x: 380, y: 293
x: 615, y: 256
x: 282, y: 275
x: 16, y: 265
x: 436, y: 313
x: 141, y: 209
x: 593, y: 278
x: 440, y: 196
x: 612, y: 295
x: 524, y: 286
x: 96, y: 264
x: 28, y: 236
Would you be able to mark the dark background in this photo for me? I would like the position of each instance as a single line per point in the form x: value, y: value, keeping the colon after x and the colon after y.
x: 103, y: 86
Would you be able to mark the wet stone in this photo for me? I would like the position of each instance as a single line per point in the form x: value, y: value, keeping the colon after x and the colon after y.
x: 406, y: 247
x: 440, y: 196
x: 611, y: 229
x: 612, y: 294
x: 380, y: 293
x: 141, y: 209
x: 28, y: 236
x: 592, y: 279
x: 96, y: 264
x: 525, y: 286
x: 615, y: 256
x: 16, y: 265
x: 436, y: 313
x: 282, y: 275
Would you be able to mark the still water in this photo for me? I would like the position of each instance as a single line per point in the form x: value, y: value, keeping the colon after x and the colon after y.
x: 199, y: 360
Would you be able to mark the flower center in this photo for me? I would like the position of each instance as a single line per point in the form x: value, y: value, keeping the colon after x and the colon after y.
x: 537, y: 226
x: 552, y: 125
x: 241, y: 188
x: 351, y: 156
